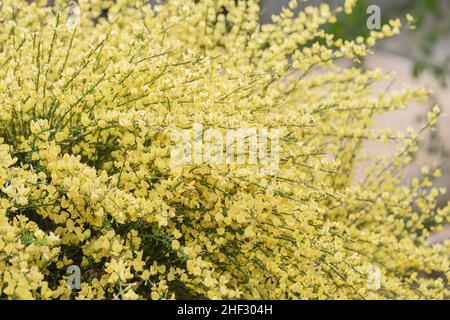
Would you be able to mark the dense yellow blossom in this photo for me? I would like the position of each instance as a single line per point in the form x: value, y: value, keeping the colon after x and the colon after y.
x: 86, y: 179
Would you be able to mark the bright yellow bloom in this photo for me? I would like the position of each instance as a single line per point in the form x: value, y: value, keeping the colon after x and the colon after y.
x: 86, y: 175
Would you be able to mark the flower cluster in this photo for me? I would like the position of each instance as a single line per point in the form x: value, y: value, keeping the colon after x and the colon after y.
x: 86, y: 178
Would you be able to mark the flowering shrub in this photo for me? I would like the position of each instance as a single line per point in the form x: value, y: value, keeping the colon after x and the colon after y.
x: 86, y: 176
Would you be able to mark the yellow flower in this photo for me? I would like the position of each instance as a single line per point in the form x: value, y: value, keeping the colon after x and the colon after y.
x: 87, y: 174
x: 175, y: 245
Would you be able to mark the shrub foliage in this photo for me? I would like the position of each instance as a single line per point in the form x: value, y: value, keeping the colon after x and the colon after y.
x: 87, y: 179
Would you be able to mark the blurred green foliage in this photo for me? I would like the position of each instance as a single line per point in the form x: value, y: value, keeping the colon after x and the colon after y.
x: 432, y: 26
